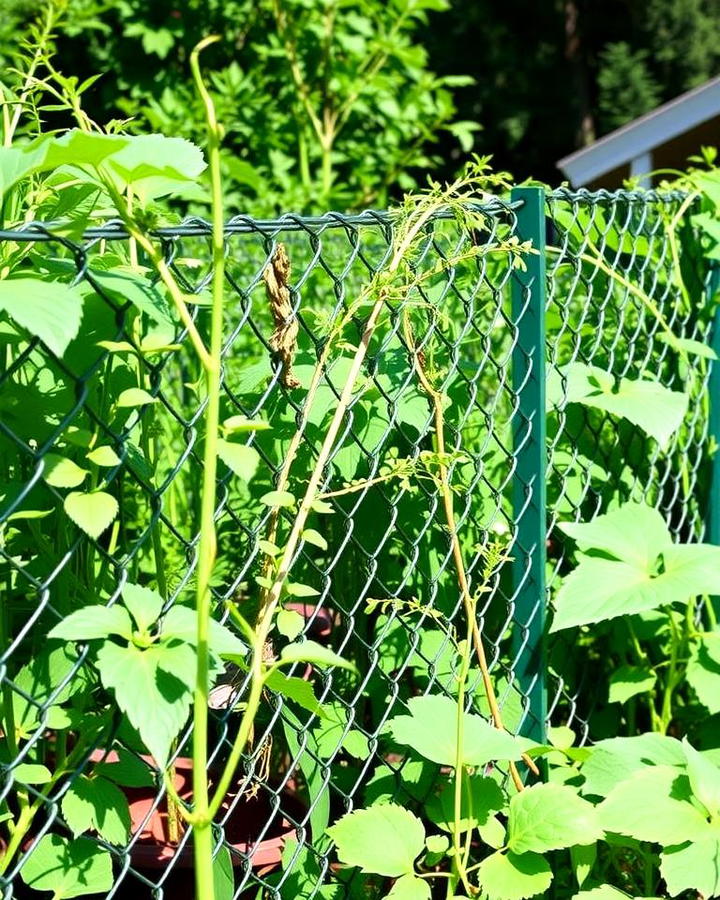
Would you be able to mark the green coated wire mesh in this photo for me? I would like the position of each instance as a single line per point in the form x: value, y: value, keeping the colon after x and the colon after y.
x: 119, y: 414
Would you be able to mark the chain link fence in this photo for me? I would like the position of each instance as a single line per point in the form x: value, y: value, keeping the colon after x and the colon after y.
x: 518, y: 357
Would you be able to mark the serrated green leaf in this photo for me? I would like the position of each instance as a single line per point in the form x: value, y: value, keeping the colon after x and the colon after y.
x: 240, y: 459
x: 315, y: 538
x: 551, y: 816
x: 63, y: 473
x: 320, y: 506
x: 508, y: 876
x: 68, y: 868
x: 647, y: 404
x: 93, y: 512
x: 132, y: 397
x: 93, y: 622
x: 641, y: 578
x: 312, y: 652
x: 49, y: 310
x: 629, y: 681
x: 143, y: 603
x: 693, y: 866
x: 384, y: 840
x: 482, y: 742
x: 653, y: 804
x: 703, y: 671
x: 153, y: 687
x: 437, y: 843
x: 278, y: 498
x: 97, y: 804
x: 181, y: 622
x: 289, y: 623
x: 104, y: 456
x: 616, y: 759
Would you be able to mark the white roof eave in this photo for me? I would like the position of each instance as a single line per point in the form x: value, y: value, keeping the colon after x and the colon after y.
x: 644, y: 134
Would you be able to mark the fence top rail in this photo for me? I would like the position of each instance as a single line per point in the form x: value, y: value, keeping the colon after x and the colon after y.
x: 602, y: 196
x: 196, y: 226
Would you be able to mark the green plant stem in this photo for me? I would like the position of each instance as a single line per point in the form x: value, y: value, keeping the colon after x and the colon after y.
x: 207, y: 549
x: 671, y: 677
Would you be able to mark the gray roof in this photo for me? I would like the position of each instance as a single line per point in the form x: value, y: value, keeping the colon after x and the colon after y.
x: 643, y: 134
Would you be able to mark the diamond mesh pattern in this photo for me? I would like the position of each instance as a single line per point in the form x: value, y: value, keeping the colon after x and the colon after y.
x: 387, y: 539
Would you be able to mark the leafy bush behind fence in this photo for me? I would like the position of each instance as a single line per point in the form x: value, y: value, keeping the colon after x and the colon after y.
x: 564, y: 394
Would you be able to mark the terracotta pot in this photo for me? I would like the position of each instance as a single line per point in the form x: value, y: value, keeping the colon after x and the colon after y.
x: 152, y: 848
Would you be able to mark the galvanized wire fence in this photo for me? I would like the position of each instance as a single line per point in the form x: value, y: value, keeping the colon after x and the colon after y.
x: 119, y: 414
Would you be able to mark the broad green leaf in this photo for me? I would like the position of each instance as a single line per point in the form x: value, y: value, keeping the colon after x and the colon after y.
x: 156, y: 165
x: 634, y: 533
x: 704, y: 778
x: 384, y: 840
x: 93, y: 622
x: 240, y: 459
x: 93, y: 512
x: 431, y: 729
x: 132, y: 397
x: 31, y: 773
x: 647, y: 404
x: 509, y: 876
x: 49, y: 310
x: 481, y: 797
x: 653, y: 804
x: 123, y: 284
x: 104, y: 456
x: 312, y: 652
x: 181, y: 622
x: 143, y: 603
x: 278, y: 498
x: 547, y: 817
x: 437, y: 843
x: 97, y: 804
x: 63, y: 473
x: 68, y: 868
x: 297, y: 689
x: 693, y: 866
x: 315, y: 538
x: 616, y: 759
x: 410, y: 887
x: 641, y: 578
x: 41, y: 679
x: 289, y: 623
x: 153, y: 688
x: 628, y: 681
x: 295, y: 589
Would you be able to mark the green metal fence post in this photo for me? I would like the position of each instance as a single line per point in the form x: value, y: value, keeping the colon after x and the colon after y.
x: 712, y: 520
x: 530, y: 449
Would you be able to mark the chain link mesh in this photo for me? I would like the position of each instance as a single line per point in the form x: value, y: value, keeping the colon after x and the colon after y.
x: 383, y: 570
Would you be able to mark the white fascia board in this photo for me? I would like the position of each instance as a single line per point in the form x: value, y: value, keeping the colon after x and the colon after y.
x: 644, y: 134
